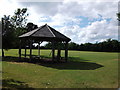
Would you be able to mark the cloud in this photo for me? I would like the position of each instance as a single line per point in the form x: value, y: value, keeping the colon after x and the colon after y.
x: 43, y: 8
x: 88, y: 9
x: 82, y: 21
x: 64, y: 15
x: 97, y: 31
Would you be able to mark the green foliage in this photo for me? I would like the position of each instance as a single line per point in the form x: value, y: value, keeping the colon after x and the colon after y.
x: 48, y: 45
x: 58, y: 45
x: 108, y: 46
x: 7, y: 32
x: 12, y: 27
x: 73, y: 46
x: 19, y: 18
x: 30, y: 26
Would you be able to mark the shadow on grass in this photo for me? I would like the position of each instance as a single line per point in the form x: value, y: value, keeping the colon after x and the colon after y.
x: 10, y: 84
x: 73, y: 63
x: 34, y: 56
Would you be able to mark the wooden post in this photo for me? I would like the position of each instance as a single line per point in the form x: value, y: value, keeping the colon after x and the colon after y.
x: 30, y: 49
x: 59, y: 54
x: 25, y: 50
x: 66, y: 51
x: 39, y: 50
x: 2, y: 52
x: 20, y: 50
x: 53, y: 51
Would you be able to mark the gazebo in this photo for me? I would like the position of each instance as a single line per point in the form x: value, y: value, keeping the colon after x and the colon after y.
x: 44, y: 33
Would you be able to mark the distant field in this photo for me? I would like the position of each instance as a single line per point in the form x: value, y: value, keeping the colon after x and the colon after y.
x: 83, y: 70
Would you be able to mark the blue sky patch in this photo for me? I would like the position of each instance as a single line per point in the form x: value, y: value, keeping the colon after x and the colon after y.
x: 86, y: 21
x: 45, y: 19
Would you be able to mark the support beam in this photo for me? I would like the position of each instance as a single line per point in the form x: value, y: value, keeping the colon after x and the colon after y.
x: 59, y: 54
x: 39, y: 50
x: 2, y: 52
x: 25, y: 50
x: 66, y: 51
x: 30, y: 49
x: 59, y: 50
x: 20, y: 50
x: 53, y: 51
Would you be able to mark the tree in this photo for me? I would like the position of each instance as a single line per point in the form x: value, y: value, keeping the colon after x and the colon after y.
x: 30, y: 26
x: 7, y: 33
x: 118, y: 15
x: 19, y: 18
x: 73, y: 46
x: 12, y: 27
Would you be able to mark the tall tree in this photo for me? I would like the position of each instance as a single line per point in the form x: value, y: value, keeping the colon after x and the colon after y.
x: 7, y: 33
x: 12, y: 27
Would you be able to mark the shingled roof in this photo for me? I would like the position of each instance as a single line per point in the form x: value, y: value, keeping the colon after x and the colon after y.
x: 45, y: 33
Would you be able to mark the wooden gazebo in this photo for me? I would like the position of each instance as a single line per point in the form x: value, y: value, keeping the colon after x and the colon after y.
x: 44, y: 33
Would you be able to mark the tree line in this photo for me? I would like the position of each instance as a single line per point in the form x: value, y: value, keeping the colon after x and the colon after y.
x: 108, y: 45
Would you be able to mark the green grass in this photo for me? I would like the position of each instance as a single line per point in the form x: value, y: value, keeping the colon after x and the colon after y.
x: 83, y: 70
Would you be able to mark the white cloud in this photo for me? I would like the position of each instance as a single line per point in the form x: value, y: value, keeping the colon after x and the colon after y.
x: 63, y: 14
x: 89, y: 9
x: 97, y: 31
x: 8, y: 7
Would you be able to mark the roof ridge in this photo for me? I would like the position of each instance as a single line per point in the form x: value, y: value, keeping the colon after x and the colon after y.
x: 50, y: 31
x: 59, y: 32
x: 37, y: 29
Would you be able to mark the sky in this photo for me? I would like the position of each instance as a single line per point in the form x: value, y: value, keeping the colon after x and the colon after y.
x: 81, y: 20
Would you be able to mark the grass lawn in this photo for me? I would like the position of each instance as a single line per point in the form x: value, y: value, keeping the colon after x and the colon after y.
x: 83, y: 70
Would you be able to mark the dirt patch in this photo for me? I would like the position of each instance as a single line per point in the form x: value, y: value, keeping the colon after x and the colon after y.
x: 116, y: 59
x: 17, y: 63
